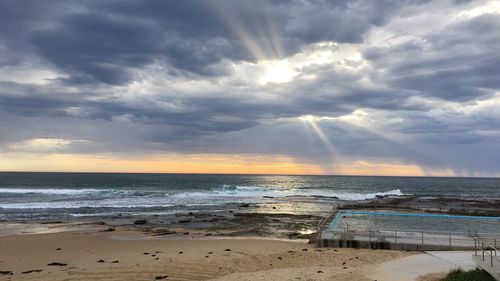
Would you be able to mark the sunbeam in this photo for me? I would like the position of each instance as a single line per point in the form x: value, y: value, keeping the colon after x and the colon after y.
x: 263, y: 43
x: 311, y: 120
x: 357, y: 119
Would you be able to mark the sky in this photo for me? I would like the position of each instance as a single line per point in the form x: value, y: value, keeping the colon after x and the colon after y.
x: 386, y: 87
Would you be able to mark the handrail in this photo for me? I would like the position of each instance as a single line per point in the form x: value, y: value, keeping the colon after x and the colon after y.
x: 325, y: 218
x: 483, y: 235
x: 321, y: 222
x: 480, y: 243
x: 449, y: 239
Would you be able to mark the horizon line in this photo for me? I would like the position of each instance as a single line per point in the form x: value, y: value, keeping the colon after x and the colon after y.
x: 249, y: 174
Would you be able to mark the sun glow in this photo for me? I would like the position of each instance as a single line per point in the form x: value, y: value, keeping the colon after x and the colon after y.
x: 277, y: 72
x: 164, y: 163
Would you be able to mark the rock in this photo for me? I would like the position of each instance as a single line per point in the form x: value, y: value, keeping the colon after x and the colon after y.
x: 274, y: 208
x: 109, y: 229
x: 140, y: 221
x: 246, y: 205
x: 319, y: 271
x: 51, y: 222
x: 6, y: 272
x: 280, y: 258
x: 227, y: 250
x: 100, y: 261
x: 31, y: 271
x: 186, y: 233
x: 190, y: 213
x: 304, y: 250
x: 57, y: 264
x: 161, y: 277
x: 58, y: 249
x: 345, y: 267
x: 117, y: 261
x: 180, y: 253
x: 210, y: 253
x: 298, y: 235
x: 146, y: 253
x: 163, y: 231
x: 185, y: 221
x: 208, y: 234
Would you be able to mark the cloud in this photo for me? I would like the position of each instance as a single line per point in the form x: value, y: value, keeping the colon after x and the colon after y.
x: 387, y: 81
x: 99, y: 41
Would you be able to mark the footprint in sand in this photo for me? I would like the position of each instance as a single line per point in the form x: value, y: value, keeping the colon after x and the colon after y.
x: 57, y: 264
x: 31, y: 271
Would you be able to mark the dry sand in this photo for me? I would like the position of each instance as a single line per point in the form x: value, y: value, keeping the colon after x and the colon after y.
x: 128, y: 255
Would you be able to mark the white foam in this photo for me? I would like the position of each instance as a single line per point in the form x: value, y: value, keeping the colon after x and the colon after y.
x: 111, y: 198
x: 256, y: 191
x: 54, y: 191
x: 106, y: 203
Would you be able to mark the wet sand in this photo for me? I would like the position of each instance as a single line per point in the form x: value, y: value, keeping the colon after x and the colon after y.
x: 91, y: 254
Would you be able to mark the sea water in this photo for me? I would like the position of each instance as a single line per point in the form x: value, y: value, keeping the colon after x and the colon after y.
x: 40, y: 195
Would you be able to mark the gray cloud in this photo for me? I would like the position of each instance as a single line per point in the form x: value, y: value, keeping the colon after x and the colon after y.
x: 98, y: 41
x: 125, y: 70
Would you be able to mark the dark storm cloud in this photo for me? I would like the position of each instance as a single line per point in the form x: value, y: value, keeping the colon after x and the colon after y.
x: 98, y: 41
x: 95, y: 48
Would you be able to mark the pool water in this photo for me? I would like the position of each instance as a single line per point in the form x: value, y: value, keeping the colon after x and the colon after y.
x: 375, y: 220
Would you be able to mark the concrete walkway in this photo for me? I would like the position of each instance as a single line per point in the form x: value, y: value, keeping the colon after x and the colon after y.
x: 411, y: 267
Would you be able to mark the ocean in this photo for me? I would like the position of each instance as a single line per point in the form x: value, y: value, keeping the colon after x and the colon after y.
x: 31, y: 196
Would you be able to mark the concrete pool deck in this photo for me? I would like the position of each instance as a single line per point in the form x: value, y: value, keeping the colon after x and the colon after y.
x: 411, y: 267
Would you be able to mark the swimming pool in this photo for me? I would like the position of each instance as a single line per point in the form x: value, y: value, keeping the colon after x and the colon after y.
x: 418, y: 222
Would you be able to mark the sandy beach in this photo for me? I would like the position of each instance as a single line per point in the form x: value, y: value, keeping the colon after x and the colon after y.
x: 91, y: 254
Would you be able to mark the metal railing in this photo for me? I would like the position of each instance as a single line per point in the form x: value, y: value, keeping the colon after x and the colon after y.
x: 398, y: 236
x: 487, y: 248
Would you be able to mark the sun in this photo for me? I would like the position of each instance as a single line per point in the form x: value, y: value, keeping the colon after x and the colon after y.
x: 307, y: 118
x: 277, y: 72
